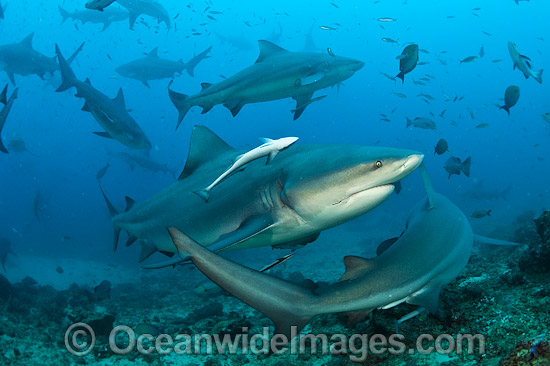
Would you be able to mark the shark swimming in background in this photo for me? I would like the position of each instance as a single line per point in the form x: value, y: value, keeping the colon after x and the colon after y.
x: 21, y: 59
x: 153, y: 67
x: 106, y: 17
x: 98, y: 4
x: 144, y: 161
x: 148, y: 7
x: 4, y: 116
x: 276, y: 74
x: 430, y: 253
x: 4, y: 94
x: 111, y: 114
x: 284, y: 204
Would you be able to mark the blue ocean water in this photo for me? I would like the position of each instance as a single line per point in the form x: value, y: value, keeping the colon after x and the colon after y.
x: 510, y: 154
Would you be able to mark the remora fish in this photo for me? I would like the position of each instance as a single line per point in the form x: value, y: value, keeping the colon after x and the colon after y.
x: 152, y: 67
x: 290, y: 201
x: 111, y: 114
x: 98, y: 4
x: 4, y: 116
x: 147, y: 7
x: 276, y: 74
x: 21, y: 59
x: 269, y: 148
x: 407, y: 61
x: 523, y: 63
x: 429, y: 254
x: 511, y: 97
x: 106, y: 17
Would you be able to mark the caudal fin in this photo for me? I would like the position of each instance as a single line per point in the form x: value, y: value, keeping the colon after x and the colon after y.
x: 68, y: 78
x: 113, y: 212
x: 204, y: 194
x: 465, y: 166
x: 506, y: 108
x: 64, y: 14
x: 538, y: 76
x: 284, y: 302
x: 409, y: 122
x: 180, y: 101
x: 401, y: 76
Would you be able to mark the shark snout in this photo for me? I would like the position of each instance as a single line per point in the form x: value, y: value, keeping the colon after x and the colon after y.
x: 412, y: 162
x: 357, y: 65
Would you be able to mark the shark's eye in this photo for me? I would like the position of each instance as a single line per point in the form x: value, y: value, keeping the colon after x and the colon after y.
x: 378, y: 164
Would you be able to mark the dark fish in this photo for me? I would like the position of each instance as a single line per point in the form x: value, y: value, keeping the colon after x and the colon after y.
x: 103, y: 290
x: 408, y: 61
x: 482, y: 125
x: 148, y: 329
x: 59, y: 270
x: 442, y: 147
x: 481, y: 52
x: 422, y: 122
x: 454, y: 166
x: 388, y: 40
x: 478, y: 214
x: 469, y: 59
x: 511, y: 97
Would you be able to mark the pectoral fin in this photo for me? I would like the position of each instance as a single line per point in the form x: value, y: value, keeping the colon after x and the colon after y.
x: 252, y: 226
x: 271, y: 156
x: 302, y: 101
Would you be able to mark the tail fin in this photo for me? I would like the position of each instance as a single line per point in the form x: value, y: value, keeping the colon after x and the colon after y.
x: 465, y: 166
x: 489, y: 212
x: 409, y: 121
x: 204, y: 194
x: 67, y: 75
x: 180, y: 102
x: 64, y: 14
x: 113, y: 211
x: 506, y: 108
x: 282, y: 301
x: 401, y: 76
x: 538, y: 76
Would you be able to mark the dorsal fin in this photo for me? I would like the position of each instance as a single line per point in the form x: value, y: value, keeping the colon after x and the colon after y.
x: 205, y: 145
x: 268, y: 49
x: 428, y: 185
x: 355, y: 267
x: 154, y: 52
x: 87, y: 81
x: 205, y: 85
x: 27, y: 41
x: 129, y: 203
x: 119, y: 99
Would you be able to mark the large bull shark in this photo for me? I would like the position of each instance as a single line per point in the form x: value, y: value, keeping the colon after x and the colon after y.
x: 111, y: 114
x: 276, y: 74
x: 147, y: 7
x: 106, y: 17
x: 153, y: 67
x: 21, y: 59
x: 284, y: 204
x: 430, y: 253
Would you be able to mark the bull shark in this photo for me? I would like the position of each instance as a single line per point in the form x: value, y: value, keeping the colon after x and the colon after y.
x: 106, y: 17
x: 21, y: 59
x: 523, y: 63
x: 4, y: 116
x: 152, y: 67
x: 276, y: 74
x: 145, y: 162
x: 98, y: 4
x: 111, y: 114
x: 286, y: 203
x: 429, y: 254
x: 147, y: 7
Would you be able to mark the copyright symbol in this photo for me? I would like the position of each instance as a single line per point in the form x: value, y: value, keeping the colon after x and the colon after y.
x: 76, y: 339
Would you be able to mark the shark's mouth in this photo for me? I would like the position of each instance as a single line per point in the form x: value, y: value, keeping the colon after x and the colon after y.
x: 372, y: 190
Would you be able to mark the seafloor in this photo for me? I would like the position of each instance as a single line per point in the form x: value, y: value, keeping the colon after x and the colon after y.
x: 503, y: 293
